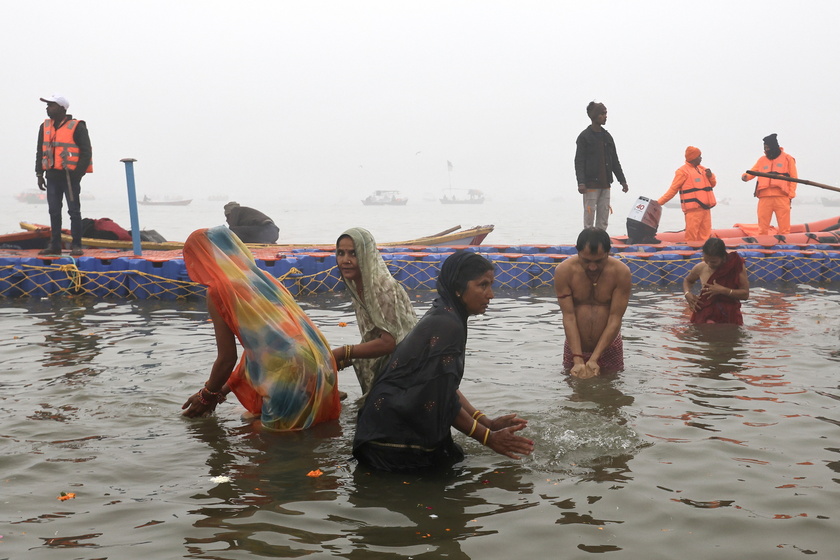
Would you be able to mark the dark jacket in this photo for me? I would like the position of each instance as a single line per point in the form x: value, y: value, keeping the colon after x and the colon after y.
x: 594, y: 166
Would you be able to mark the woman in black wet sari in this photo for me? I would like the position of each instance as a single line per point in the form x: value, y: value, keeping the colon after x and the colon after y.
x: 404, y: 424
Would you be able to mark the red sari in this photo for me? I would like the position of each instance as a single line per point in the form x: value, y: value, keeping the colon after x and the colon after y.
x: 722, y: 308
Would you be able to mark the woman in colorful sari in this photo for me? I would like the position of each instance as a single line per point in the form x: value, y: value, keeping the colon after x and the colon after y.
x: 405, y: 423
x: 383, y: 309
x: 287, y: 373
x: 724, y: 281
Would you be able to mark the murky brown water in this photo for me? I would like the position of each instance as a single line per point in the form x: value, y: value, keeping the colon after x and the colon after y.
x: 716, y: 442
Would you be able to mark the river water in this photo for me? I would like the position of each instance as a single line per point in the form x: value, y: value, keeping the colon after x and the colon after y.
x: 716, y: 441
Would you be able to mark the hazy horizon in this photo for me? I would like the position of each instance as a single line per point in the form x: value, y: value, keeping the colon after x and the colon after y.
x: 265, y: 99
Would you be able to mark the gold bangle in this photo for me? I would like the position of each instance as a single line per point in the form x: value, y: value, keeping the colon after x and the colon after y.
x: 480, y: 415
x: 486, y: 434
x: 476, y: 414
x: 347, y: 351
x: 475, y: 423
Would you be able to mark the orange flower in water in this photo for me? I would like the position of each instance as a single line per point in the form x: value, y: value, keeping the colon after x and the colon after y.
x: 67, y: 496
x: 342, y: 324
x: 314, y: 474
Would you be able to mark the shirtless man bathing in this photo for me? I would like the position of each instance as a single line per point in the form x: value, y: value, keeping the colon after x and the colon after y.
x: 593, y: 290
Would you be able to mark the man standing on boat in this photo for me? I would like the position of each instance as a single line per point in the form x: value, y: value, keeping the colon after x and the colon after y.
x: 593, y: 290
x: 694, y: 183
x: 63, y: 157
x: 250, y: 225
x: 596, y: 161
x: 774, y: 195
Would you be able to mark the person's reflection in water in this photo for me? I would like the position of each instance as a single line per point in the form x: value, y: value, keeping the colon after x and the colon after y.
x: 267, y: 472
x: 70, y: 342
x: 597, y: 437
x: 398, y: 512
x: 715, y: 349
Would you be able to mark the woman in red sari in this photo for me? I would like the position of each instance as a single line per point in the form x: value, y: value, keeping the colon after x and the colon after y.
x: 724, y: 281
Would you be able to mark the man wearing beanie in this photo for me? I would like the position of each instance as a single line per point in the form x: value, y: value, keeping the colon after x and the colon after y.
x: 250, y: 225
x: 774, y: 195
x: 694, y: 183
x: 596, y: 161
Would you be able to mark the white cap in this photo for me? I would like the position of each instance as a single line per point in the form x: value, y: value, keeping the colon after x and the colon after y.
x: 57, y: 98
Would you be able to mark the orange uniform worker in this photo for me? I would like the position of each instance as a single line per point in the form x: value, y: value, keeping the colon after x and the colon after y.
x: 694, y: 183
x: 774, y: 195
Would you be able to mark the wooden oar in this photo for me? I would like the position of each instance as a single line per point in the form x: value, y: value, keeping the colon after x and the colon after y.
x: 791, y: 179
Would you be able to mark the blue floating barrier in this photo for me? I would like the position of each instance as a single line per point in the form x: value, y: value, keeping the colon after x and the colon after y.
x: 11, y: 277
x: 511, y: 274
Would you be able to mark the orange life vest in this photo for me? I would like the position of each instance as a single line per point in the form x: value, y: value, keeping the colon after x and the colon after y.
x: 59, y: 150
x: 696, y: 193
x: 765, y: 186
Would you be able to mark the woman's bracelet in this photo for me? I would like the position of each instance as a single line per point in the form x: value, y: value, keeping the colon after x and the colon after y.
x: 205, y: 395
x: 686, y: 294
x: 477, y: 414
x: 730, y: 291
x: 486, y: 435
x: 581, y: 356
x: 348, y: 349
x: 475, y: 423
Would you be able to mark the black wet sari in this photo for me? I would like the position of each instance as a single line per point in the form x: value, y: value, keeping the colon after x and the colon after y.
x: 405, y: 422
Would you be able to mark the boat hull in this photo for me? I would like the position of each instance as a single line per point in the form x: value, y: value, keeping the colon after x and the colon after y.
x: 453, y: 237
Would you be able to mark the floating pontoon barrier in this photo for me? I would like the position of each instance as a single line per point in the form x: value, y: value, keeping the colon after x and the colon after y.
x: 164, y: 277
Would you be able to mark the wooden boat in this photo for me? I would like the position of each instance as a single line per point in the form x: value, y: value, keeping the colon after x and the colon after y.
x: 453, y: 236
x: 385, y: 198
x: 150, y: 202
x: 32, y: 197
x: 473, y: 196
x: 36, y: 239
x: 819, y: 231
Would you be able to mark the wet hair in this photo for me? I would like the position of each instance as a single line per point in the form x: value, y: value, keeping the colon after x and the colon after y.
x: 594, y: 108
x: 471, y: 268
x: 593, y: 238
x: 714, y: 247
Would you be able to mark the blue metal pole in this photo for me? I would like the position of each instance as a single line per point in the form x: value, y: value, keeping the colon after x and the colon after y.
x: 132, y: 205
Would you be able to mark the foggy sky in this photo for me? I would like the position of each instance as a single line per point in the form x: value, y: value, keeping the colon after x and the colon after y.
x: 337, y: 98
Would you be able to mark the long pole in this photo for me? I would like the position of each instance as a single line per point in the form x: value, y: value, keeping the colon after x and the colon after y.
x: 132, y: 205
x: 792, y: 180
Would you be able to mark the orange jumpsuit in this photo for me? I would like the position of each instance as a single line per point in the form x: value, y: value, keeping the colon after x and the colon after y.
x: 696, y: 199
x: 774, y: 195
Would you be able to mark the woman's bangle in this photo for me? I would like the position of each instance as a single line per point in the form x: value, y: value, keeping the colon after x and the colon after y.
x: 206, y: 394
x: 486, y: 435
x: 477, y: 414
x: 686, y: 294
x: 581, y: 356
x: 730, y: 291
x: 475, y: 423
x: 348, y: 349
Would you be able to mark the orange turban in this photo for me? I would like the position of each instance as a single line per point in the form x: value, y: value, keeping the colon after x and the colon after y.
x: 692, y: 153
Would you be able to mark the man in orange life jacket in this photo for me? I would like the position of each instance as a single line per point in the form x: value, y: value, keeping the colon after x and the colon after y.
x: 774, y: 195
x: 694, y: 183
x: 63, y: 157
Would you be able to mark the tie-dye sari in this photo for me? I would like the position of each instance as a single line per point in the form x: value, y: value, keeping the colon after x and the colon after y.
x: 286, y: 372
